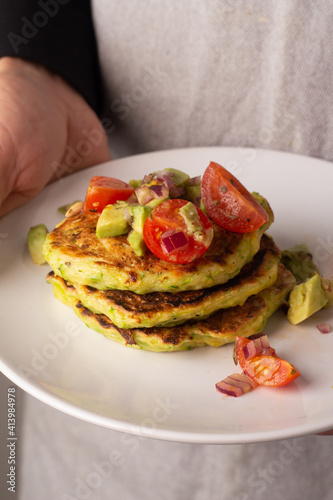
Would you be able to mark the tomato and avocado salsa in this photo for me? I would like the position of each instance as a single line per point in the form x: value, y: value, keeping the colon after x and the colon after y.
x: 174, y: 228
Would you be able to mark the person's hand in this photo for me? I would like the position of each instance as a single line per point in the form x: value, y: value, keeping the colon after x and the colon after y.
x: 47, y: 130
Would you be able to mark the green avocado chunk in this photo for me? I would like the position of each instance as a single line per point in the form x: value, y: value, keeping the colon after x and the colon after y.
x: 35, y: 240
x: 178, y: 177
x: 305, y: 299
x: 193, y: 193
x: 139, y: 214
x: 135, y: 239
x: 113, y: 221
x: 194, y: 225
x: 298, y: 259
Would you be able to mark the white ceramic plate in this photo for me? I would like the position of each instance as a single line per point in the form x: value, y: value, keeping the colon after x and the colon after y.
x: 49, y: 353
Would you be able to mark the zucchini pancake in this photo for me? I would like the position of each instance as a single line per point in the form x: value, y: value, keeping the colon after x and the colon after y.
x: 194, y: 282
x: 74, y: 252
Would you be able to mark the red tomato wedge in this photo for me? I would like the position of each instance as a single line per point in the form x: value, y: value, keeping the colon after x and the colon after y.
x: 173, y: 238
x: 228, y: 202
x: 104, y: 191
x: 269, y: 370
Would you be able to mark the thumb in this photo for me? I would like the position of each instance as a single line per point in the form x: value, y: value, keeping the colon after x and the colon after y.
x: 8, y: 170
x: 87, y: 147
x: 14, y: 200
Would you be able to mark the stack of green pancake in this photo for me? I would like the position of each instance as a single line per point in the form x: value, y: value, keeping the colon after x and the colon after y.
x: 147, y: 303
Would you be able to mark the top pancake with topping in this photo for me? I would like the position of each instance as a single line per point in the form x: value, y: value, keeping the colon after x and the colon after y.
x: 76, y: 254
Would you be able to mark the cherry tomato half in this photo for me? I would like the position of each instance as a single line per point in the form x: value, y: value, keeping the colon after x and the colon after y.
x: 104, y: 191
x: 170, y: 238
x: 265, y: 370
x: 228, y: 202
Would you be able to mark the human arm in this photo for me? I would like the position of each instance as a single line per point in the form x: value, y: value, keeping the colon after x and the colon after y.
x: 47, y: 130
x: 49, y: 98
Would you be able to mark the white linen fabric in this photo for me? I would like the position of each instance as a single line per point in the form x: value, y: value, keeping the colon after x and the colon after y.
x: 180, y: 74
x: 218, y: 72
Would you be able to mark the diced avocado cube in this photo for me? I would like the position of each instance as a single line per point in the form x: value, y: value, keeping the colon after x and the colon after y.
x: 153, y: 203
x: 36, y: 238
x: 113, y: 221
x: 191, y: 218
x: 193, y: 224
x: 134, y: 183
x: 299, y: 261
x: 193, y: 193
x: 139, y: 214
x: 305, y: 299
x: 135, y: 239
x: 178, y: 177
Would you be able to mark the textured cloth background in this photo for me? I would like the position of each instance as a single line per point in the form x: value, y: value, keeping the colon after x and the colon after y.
x: 68, y: 459
x: 197, y: 73
x: 209, y: 72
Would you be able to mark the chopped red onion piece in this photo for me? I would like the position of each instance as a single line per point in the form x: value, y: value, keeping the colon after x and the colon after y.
x: 168, y: 244
x: 132, y: 199
x: 262, y: 341
x: 250, y: 350
x: 157, y: 189
x: 144, y: 195
x: 167, y: 179
x: 146, y: 179
x: 324, y: 328
x: 197, y: 201
x: 236, y: 385
x: 258, y: 347
x: 266, y: 349
x: 195, y: 181
x: 174, y: 241
x: 176, y: 192
x: 160, y: 191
